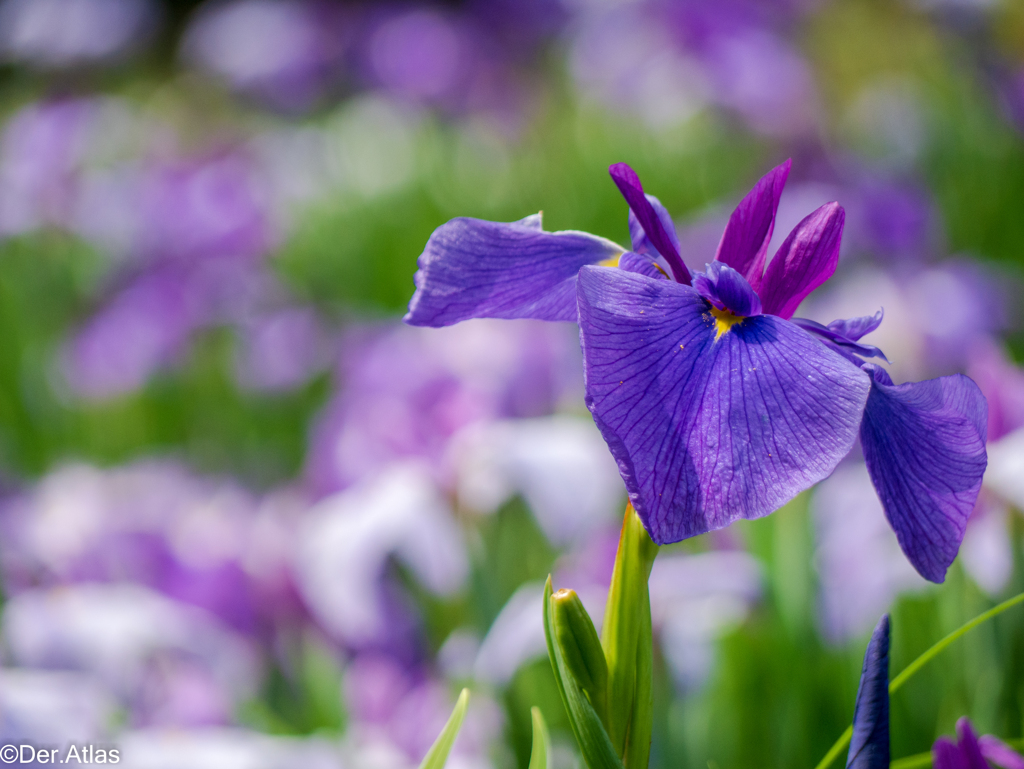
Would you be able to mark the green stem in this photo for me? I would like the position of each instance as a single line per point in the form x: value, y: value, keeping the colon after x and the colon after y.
x: 916, y: 665
x: 623, y: 639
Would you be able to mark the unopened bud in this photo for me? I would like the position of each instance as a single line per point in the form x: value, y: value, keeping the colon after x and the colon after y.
x: 580, y: 648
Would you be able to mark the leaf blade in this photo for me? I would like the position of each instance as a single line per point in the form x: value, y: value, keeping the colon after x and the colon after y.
x: 438, y: 753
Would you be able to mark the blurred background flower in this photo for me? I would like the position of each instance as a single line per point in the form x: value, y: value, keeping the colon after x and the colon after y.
x: 248, y: 516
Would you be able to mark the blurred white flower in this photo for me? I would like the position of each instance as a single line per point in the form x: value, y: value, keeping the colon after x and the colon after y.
x: 515, y: 637
x: 695, y: 599
x: 60, y: 33
x: 860, y: 564
x: 344, y: 545
x: 224, y: 748
x: 118, y: 632
x: 53, y: 707
x: 559, y: 464
x: 1005, y: 473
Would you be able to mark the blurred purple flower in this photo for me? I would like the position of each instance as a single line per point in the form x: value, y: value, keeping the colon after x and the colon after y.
x: 202, y: 543
x: 443, y: 59
x: 973, y: 752
x: 733, y: 54
x: 286, y: 52
x: 40, y: 155
x: 169, y: 663
x: 211, y: 208
x: 1002, y: 382
x: 280, y: 351
x: 407, y: 391
x: 66, y: 33
x: 145, y: 328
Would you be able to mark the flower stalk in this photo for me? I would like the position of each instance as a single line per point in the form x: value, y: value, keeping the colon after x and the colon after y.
x: 628, y: 644
x: 606, y: 683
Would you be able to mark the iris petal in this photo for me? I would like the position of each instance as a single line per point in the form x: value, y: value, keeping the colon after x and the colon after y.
x: 709, y: 427
x: 924, y: 444
x: 632, y: 190
x: 869, y: 747
x: 726, y: 289
x: 744, y: 243
x: 632, y: 262
x: 805, y: 260
x: 472, y: 268
x: 638, y: 236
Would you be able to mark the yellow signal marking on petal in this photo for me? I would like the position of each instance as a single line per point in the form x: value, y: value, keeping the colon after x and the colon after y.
x: 611, y: 261
x: 724, y: 321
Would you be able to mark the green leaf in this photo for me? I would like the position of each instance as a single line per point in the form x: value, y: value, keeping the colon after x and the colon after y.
x: 438, y: 753
x: 595, y: 746
x: 626, y: 638
x: 540, y: 757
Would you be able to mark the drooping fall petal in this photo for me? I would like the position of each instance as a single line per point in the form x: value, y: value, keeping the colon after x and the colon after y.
x: 924, y: 444
x: 710, y: 420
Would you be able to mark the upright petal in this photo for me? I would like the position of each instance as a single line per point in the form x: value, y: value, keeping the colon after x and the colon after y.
x: 805, y: 260
x: 869, y: 747
x: 744, y: 243
x: 924, y: 444
x: 632, y: 190
x: 472, y: 268
x: 638, y: 236
x: 709, y: 422
x: 966, y: 754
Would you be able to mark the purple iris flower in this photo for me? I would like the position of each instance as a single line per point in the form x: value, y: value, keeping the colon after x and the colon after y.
x: 973, y: 752
x: 869, y: 746
x: 716, y: 403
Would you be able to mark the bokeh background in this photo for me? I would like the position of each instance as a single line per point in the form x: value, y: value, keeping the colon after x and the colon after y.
x: 248, y: 519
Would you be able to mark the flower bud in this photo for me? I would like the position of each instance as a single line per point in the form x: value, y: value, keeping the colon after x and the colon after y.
x: 580, y: 646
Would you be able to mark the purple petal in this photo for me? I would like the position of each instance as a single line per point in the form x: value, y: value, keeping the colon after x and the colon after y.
x: 946, y: 755
x: 869, y: 747
x: 726, y: 289
x: 970, y: 750
x: 631, y: 262
x: 709, y: 427
x: 999, y: 753
x: 638, y: 236
x: 805, y: 260
x: 843, y: 343
x: 628, y: 182
x: 744, y: 243
x: 924, y: 445
x: 854, y: 328
x: 472, y: 268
